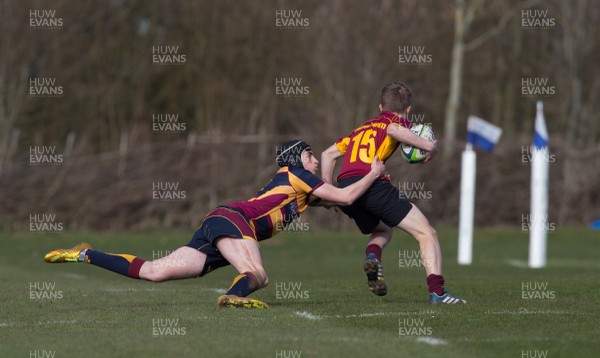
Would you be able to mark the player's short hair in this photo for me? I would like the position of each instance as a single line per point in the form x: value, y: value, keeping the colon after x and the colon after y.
x: 395, y: 97
x: 290, y: 153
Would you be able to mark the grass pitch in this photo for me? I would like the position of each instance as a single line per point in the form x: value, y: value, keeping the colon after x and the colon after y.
x: 321, y: 306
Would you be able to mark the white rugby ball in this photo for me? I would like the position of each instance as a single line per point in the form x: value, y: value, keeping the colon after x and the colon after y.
x: 413, y: 154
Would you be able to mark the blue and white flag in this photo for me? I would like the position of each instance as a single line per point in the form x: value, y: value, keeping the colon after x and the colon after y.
x: 540, y: 137
x: 482, y: 133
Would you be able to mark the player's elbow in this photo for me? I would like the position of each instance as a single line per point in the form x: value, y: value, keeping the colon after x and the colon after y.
x: 326, y: 157
x: 346, y: 197
x: 338, y: 196
x: 331, y: 153
x: 393, y: 130
x: 345, y: 200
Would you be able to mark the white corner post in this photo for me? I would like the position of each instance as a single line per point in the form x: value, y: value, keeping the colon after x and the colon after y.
x: 467, y: 206
x: 538, y: 218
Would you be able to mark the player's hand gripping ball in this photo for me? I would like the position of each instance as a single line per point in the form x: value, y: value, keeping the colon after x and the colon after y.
x: 413, y: 154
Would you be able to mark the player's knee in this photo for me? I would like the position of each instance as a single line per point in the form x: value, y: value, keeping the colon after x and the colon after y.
x: 156, y: 275
x: 431, y: 232
x: 427, y: 232
x: 385, y: 235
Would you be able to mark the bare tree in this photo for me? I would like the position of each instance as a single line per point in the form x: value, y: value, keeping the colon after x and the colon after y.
x: 575, y: 46
x: 463, y: 17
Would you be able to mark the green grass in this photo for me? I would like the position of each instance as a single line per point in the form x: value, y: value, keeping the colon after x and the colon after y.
x: 103, y: 314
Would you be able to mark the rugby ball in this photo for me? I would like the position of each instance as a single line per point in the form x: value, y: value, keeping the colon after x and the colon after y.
x: 413, y: 154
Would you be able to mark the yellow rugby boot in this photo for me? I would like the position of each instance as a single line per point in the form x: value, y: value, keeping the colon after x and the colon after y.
x: 240, y: 302
x: 66, y: 255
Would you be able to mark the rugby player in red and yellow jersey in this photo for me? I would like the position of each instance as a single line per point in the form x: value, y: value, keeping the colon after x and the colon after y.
x: 229, y: 234
x: 383, y: 206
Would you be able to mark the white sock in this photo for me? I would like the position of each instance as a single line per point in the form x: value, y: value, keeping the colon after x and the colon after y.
x: 82, y: 255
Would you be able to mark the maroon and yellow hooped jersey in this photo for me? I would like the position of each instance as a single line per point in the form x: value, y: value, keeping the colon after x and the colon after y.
x: 280, y: 202
x: 370, y: 139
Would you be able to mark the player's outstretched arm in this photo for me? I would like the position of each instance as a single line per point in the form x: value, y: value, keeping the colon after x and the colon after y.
x: 347, y: 195
x: 328, y: 159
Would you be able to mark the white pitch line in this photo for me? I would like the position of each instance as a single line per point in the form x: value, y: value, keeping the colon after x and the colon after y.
x: 40, y: 323
x: 375, y: 314
x: 502, y: 339
x: 218, y: 290
x: 432, y: 341
x: 517, y: 263
x: 307, y: 315
x: 131, y: 289
x: 360, y: 315
x: 372, y: 314
x: 72, y: 275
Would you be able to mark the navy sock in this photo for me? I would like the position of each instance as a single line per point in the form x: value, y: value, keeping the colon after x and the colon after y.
x: 243, y: 285
x: 126, y: 265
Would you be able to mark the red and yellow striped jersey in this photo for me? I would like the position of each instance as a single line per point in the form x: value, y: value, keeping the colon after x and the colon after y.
x: 370, y: 139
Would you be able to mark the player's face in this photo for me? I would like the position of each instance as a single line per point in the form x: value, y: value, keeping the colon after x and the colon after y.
x: 309, y: 161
